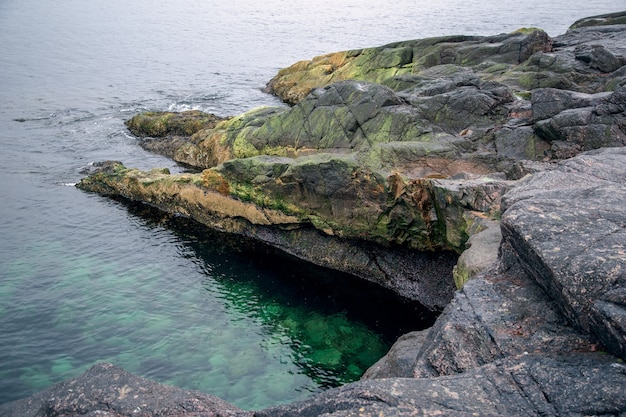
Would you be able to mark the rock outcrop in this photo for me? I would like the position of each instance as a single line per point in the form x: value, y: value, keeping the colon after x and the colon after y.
x: 538, y: 333
x: 567, y: 227
x: 390, y: 163
x: 107, y: 390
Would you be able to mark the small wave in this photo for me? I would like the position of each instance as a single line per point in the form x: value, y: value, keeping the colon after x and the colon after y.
x: 179, y: 107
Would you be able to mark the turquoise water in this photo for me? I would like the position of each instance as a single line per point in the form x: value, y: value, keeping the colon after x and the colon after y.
x: 195, y: 309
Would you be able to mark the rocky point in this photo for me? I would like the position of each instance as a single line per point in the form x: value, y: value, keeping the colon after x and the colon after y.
x: 482, y: 176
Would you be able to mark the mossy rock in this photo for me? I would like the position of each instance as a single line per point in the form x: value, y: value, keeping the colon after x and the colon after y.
x: 618, y: 18
x: 161, y: 124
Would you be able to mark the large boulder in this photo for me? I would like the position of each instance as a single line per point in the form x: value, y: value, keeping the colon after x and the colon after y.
x: 576, y: 122
x: 568, y: 228
x: 107, y: 390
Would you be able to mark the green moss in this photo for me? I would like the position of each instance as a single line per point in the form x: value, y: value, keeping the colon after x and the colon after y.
x: 526, y: 31
x: 242, y: 148
x: 460, y: 275
x: 529, y: 80
x: 497, y: 68
x: 160, y: 124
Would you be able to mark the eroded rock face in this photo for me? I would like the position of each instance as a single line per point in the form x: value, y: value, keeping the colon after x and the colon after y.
x: 399, y: 64
x: 527, y: 385
x: 576, y: 122
x: 568, y: 229
x: 205, y: 197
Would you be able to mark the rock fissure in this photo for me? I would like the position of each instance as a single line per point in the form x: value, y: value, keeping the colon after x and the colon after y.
x: 532, y: 390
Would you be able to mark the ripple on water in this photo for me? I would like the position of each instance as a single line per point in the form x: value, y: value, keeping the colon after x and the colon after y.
x: 222, y: 323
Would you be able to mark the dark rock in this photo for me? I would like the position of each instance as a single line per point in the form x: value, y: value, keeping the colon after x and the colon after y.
x: 526, y: 385
x: 576, y: 123
x: 567, y: 227
x: 548, y: 102
x: 496, y: 315
x: 465, y: 106
x: 170, y: 133
x: 618, y: 18
x: 599, y: 57
x: 399, y: 362
x: 107, y: 390
x: 162, y: 124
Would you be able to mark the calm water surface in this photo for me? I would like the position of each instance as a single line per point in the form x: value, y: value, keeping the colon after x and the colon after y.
x: 86, y: 279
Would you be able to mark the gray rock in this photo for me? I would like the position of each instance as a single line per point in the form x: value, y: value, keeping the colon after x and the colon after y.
x: 577, y: 122
x: 481, y: 252
x: 107, y: 390
x: 526, y: 385
x: 548, y: 102
x: 400, y: 360
x: 567, y: 227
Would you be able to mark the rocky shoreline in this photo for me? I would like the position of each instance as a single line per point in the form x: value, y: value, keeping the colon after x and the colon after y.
x: 481, y: 176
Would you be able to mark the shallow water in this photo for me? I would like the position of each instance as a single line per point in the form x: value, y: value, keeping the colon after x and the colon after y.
x: 86, y: 279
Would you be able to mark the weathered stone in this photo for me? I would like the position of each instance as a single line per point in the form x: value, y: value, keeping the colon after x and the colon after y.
x: 381, y: 65
x: 526, y: 385
x: 567, y: 227
x: 422, y: 276
x: 618, y: 18
x: 481, y: 252
x: 548, y: 102
x: 465, y: 106
x: 399, y: 362
x: 107, y: 390
x: 162, y: 124
x: 580, y: 122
